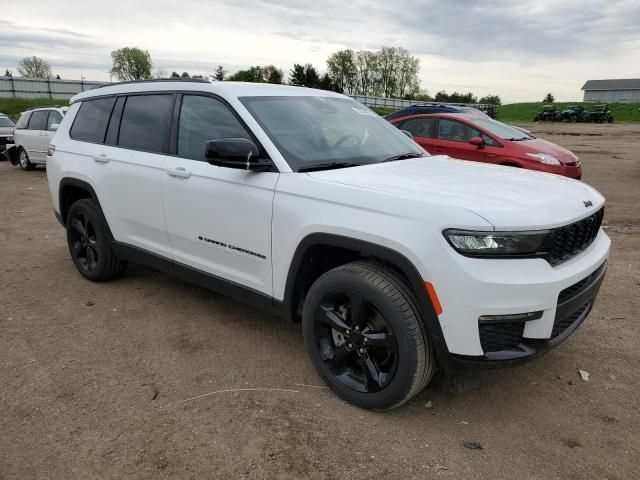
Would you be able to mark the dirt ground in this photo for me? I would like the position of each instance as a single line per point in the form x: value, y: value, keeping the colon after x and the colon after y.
x: 90, y: 373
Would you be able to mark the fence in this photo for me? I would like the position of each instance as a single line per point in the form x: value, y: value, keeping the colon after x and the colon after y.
x: 42, y: 88
x: 398, y: 103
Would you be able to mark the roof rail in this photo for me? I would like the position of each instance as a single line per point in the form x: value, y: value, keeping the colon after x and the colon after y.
x: 159, y: 80
x: 45, y: 106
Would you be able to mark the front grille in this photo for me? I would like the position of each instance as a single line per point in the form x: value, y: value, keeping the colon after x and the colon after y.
x: 561, y: 324
x: 568, y: 292
x: 566, y: 242
x: 496, y: 337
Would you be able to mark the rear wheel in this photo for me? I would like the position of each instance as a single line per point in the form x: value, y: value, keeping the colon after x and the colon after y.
x: 23, y: 160
x: 365, y: 336
x: 90, y: 242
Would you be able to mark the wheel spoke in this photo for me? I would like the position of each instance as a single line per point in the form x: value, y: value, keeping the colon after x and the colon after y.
x: 78, y: 226
x: 91, y: 258
x: 339, y: 354
x: 358, y: 310
x: 334, y: 319
x: 379, y: 339
x: 371, y: 370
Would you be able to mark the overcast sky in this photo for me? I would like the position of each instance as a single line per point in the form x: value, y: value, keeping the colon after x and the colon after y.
x: 519, y: 50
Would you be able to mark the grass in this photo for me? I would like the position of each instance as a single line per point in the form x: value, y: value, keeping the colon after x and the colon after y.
x: 525, y: 112
x: 13, y: 107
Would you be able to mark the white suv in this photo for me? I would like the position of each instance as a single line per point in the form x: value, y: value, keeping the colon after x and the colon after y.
x: 309, y: 204
x: 32, y: 134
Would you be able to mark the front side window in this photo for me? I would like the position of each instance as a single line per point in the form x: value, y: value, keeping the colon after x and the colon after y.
x: 502, y: 130
x: 54, y: 118
x: 420, y: 127
x: 91, y: 120
x: 23, y: 121
x: 39, y: 120
x: 145, y: 124
x: 203, y: 119
x: 456, y: 131
x: 312, y: 131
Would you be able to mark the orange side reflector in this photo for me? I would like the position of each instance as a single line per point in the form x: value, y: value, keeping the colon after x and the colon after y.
x: 434, y: 297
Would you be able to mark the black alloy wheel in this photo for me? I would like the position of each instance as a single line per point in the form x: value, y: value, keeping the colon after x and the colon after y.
x: 83, y: 242
x: 355, y: 341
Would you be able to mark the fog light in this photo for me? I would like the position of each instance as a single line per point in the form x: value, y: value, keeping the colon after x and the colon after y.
x: 516, y: 317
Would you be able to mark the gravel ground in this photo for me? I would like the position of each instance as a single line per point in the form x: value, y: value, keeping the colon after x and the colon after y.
x: 91, y: 374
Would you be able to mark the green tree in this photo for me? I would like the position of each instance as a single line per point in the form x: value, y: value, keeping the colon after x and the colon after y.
x: 304, y: 76
x: 175, y: 74
x: 456, y: 97
x: 130, y: 63
x: 219, y: 74
x: 549, y: 98
x: 491, y: 99
x: 252, y: 74
x: 34, y: 67
x: 343, y: 72
x: 272, y: 74
x: 185, y: 75
x: 326, y: 83
x: 7, y: 73
x: 366, y: 64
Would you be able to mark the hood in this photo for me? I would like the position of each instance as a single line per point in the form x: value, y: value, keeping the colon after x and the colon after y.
x: 508, y: 198
x: 538, y: 145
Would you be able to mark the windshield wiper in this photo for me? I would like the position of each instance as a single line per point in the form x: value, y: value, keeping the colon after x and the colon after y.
x: 328, y: 166
x: 516, y: 139
x: 404, y: 156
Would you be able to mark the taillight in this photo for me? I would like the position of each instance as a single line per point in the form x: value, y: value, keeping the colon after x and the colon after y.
x: 51, y: 149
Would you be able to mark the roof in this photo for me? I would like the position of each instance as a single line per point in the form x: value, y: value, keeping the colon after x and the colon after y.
x: 620, y: 84
x: 224, y: 89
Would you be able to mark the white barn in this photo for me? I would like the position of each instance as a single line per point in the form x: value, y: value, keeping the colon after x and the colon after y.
x: 623, y: 90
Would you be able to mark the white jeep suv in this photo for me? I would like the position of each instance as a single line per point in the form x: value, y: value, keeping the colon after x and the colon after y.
x: 32, y: 135
x: 310, y: 205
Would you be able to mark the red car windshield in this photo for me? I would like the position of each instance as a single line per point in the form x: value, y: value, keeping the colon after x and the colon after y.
x: 501, y: 130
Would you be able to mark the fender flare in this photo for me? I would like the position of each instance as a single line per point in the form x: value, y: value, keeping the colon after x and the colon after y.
x: 372, y: 250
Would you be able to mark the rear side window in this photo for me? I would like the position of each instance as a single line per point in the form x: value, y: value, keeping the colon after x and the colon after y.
x: 39, y: 120
x: 145, y: 124
x: 54, y: 118
x: 23, y: 121
x: 203, y: 119
x: 90, y: 124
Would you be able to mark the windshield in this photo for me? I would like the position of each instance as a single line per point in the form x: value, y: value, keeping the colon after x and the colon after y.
x: 327, y: 131
x: 6, y: 122
x: 501, y: 130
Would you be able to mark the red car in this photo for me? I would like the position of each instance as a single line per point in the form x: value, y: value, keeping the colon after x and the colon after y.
x: 482, y: 139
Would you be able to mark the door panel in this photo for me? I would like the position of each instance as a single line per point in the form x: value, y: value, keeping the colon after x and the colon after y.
x: 218, y: 218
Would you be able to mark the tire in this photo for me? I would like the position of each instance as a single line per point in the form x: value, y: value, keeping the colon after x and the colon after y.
x: 536, y: 118
x: 23, y: 160
x: 89, y: 242
x: 365, y: 336
x: 610, y: 120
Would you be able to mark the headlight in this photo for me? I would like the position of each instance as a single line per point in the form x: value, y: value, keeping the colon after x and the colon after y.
x: 544, y: 158
x: 495, y: 243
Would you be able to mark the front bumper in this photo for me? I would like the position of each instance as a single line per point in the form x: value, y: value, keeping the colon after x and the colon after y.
x: 470, y: 288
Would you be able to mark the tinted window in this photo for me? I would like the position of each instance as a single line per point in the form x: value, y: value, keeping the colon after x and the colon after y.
x: 23, y: 121
x: 54, y: 117
x: 203, y: 119
x: 6, y: 122
x: 420, y: 127
x: 145, y: 122
x: 91, y: 121
x: 456, y: 131
x: 39, y: 120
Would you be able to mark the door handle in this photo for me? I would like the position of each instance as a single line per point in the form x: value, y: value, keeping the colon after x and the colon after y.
x: 179, y: 172
x: 102, y: 158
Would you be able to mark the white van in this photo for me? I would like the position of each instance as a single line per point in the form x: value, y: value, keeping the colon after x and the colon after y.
x: 33, y: 133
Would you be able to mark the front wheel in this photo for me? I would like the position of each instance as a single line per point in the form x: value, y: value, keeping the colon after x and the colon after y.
x: 23, y: 160
x: 365, y: 336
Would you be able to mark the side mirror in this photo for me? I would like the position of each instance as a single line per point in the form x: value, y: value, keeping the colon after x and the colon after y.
x: 477, y: 141
x: 236, y: 153
x: 54, y: 126
x: 407, y: 133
